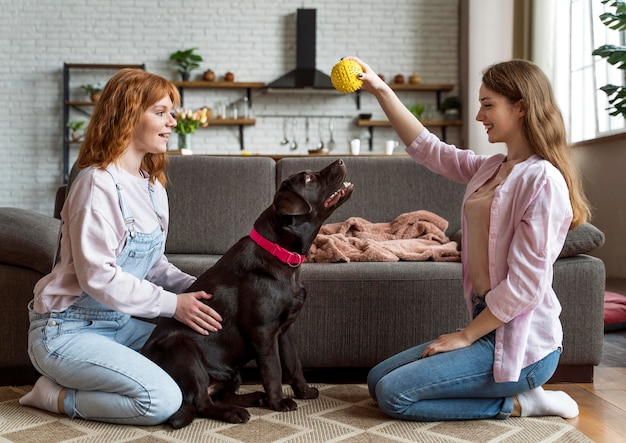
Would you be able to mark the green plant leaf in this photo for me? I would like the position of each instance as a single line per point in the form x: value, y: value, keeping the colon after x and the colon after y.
x: 186, y: 60
x: 614, y: 55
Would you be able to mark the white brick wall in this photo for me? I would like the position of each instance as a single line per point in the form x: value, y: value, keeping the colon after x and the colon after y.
x: 253, y: 38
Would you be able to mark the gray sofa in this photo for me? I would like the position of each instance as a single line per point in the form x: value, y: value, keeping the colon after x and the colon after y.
x: 356, y: 314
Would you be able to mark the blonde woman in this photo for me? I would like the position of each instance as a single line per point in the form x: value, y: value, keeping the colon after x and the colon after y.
x: 516, y: 212
x: 84, y: 336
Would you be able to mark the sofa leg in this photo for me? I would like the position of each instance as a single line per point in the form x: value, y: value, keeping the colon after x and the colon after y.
x: 573, y: 374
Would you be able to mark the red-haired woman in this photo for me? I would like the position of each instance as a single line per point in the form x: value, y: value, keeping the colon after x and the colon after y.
x: 84, y: 335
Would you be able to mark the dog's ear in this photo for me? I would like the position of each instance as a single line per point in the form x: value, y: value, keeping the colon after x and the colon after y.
x: 288, y: 202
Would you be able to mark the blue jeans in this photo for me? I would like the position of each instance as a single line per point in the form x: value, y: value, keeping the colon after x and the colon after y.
x: 95, y: 354
x: 455, y: 385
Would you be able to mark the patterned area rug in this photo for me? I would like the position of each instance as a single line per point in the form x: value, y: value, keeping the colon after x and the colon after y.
x: 342, y: 413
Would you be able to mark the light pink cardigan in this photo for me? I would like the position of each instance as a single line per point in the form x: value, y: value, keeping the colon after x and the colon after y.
x: 530, y: 217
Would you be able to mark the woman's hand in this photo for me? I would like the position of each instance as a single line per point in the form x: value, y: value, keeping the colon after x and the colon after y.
x: 198, y: 316
x: 446, y: 343
x: 402, y: 120
x: 478, y: 327
x: 371, y: 80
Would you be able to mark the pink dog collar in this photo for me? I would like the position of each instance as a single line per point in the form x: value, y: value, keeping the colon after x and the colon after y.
x: 291, y: 258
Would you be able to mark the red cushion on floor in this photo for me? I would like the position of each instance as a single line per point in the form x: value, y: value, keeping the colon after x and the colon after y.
x: 614, y: 311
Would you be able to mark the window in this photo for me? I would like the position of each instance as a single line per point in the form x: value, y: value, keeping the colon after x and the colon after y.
x: 577, y: 75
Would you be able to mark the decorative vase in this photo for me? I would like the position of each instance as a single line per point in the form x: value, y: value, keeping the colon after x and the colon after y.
x: 184, y: 141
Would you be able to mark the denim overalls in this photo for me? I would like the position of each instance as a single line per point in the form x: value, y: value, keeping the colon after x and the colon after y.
x: 93, y: 350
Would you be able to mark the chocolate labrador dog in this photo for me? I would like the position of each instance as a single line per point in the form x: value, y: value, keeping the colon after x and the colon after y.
x: 257, y: 290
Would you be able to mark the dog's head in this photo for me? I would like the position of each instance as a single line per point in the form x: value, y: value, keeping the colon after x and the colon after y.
x: 306, y: 199
x: 314, y: 194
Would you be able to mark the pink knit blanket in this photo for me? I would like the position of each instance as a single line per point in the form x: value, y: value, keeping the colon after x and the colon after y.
x: 414, y: 236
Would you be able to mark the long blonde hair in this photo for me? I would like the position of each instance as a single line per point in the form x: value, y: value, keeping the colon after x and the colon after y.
x: 543, y: 123
x: 125, y: 98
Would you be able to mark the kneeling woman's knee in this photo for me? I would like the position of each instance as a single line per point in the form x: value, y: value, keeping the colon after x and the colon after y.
x: 164, y: 402
x: 388, y: 399
x: 372, y: 381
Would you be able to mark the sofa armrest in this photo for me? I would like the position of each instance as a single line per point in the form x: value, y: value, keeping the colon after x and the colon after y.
x: 28, y: 239
x: 579, y: 283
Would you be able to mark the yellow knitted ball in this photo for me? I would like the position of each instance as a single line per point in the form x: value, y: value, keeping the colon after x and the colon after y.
x: 344, y: 76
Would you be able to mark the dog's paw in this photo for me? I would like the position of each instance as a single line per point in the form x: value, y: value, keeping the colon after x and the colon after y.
x: 307, y: 393
x: 284, y: 405
x: 234, y: 414
x: 260, y: 401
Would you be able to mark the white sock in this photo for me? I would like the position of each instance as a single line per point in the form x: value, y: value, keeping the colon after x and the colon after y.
x: 538, y: 402
x: 44, y: 395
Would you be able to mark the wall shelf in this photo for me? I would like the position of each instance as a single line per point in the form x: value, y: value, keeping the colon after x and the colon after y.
x: 248, y: 86
x: 423, y: 87
x: 240, y: 122
x: 443, y: 124
x: 219, y: 85
x: 231, y: 122
x: 420, y: 87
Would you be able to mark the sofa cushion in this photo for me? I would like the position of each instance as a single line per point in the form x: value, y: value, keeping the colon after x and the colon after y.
x: 193, y: 264
x: 28, y: 239
x: 214, y: 200
x: 581, y: 240
x: 362, y: 313
x: 385, y: 189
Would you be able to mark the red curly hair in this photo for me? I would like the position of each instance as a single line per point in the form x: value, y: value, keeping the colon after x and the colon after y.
x: 125, y: 98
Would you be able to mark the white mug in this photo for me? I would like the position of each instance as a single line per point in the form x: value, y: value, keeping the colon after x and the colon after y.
x: 390, y: 145
x: 355, y: 146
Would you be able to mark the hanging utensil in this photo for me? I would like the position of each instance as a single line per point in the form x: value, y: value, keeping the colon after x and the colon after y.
x: 285, y: 140
x: 306, y: 132
x: 320, y: 144
x: 331, y: 128
x: 294, y: 144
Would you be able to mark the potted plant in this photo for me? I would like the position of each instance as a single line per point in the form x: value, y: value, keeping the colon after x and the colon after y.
x: 451, y: 108
x: 75, y: 126
x: 615, y: 55
x: 94, y: 91
x: 417, y: 110
x: 186, y: 61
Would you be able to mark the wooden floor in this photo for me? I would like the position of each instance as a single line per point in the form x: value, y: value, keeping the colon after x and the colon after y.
x: 602, y: 404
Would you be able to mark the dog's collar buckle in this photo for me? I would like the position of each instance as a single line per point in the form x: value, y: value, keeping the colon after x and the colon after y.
x: 291, y: 258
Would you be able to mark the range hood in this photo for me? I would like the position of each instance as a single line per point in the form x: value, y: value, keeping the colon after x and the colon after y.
x: 305, y: 76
